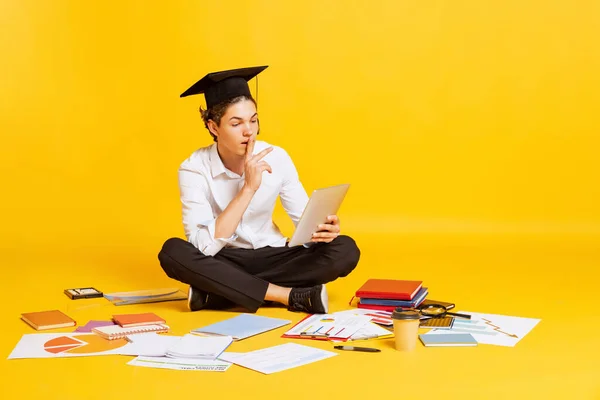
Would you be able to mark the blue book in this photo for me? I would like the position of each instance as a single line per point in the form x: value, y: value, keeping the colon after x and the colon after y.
x: 418, y: 299
x: 242, y: 326
x: 447, y: 339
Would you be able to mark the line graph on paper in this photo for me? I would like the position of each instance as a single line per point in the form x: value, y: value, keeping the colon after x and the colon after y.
x: 501, y: 330
x: 480, y: 327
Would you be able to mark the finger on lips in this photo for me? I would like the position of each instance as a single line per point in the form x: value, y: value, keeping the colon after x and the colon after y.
x: 249, y: 148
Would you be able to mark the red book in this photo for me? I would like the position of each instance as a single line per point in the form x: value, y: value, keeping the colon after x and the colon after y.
x: 389, y: 289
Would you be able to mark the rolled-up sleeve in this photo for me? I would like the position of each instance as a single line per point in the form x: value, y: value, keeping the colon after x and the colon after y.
x: 198, y: 217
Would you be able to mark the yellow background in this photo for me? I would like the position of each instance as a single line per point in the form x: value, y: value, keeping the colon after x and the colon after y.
x: 468, y: 130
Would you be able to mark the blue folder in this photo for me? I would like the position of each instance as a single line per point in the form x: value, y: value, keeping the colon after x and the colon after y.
x: 242, y: 326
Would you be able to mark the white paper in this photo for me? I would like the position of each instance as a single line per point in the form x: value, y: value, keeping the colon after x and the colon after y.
x: 150, y: 344
x: 278, y: 358
x: 193, y: 346
x: 229, y: 355
x: 500, y: 330
x: 180, y: 364
x: 76, y: 344
x: 335, y: 326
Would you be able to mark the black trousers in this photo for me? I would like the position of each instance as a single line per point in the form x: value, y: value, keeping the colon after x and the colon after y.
x: 241, y: 276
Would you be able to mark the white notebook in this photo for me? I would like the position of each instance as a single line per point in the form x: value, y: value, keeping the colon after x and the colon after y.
x: 116, y: 332
x: 193, y: 346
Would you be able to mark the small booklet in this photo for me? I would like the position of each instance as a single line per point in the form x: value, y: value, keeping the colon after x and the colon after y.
x: 52, y: 319
x: 448, y: 339
x: 242, y: 326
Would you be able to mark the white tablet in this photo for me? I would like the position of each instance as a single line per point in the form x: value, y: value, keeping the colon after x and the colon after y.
x: 323, y: 203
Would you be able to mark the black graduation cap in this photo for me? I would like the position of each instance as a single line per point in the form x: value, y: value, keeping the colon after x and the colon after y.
x: 224, y: 85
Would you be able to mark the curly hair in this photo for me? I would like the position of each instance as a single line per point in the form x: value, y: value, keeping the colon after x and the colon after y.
x: 217, y: 111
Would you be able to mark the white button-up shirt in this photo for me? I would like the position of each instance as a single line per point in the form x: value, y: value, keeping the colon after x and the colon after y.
x: 207, y: 188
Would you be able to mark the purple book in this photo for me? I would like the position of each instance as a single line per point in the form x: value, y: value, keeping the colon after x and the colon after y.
x: 93, y: 324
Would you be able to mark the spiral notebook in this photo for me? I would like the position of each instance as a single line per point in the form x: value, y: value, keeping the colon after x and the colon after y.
x: 117, y: 332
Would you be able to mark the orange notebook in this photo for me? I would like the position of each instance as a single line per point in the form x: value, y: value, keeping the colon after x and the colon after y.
x: 389, y: 289
x: 48, y: 319
x: 127, y: 320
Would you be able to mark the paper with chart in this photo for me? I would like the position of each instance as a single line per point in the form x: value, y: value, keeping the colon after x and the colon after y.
x: 52, y: 345
x: 332, y: 326
x: 369, y: 331
x: 277, y: 358
x: 181, y: 364
x: 378, y: 316
x: 500, y: 330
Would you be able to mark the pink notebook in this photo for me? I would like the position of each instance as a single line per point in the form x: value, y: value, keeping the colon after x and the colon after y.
x: 93, y: 324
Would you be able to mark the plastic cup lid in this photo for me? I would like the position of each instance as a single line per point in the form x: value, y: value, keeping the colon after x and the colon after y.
x: 400, y: 313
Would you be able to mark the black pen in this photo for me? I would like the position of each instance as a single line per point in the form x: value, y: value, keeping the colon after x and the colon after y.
x: 352, y: 348
x: 314, y: 335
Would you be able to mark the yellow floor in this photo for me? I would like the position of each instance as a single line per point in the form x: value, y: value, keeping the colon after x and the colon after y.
x: 549, y: 277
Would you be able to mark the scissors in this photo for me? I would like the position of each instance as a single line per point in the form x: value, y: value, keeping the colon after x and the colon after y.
x: 438, y: 310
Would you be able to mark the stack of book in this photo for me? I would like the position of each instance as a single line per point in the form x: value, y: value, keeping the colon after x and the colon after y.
x: 388, y: 294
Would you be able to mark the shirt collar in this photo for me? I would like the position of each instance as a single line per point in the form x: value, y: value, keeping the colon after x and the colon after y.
x: 216, y: 164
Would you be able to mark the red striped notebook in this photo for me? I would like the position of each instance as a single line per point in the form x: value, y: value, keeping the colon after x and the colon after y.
x: 389, y: 289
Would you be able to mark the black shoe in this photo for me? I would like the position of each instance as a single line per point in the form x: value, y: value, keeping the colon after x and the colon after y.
x: 311, y: 300
x: 197, y: 299
x: 200, y: 300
